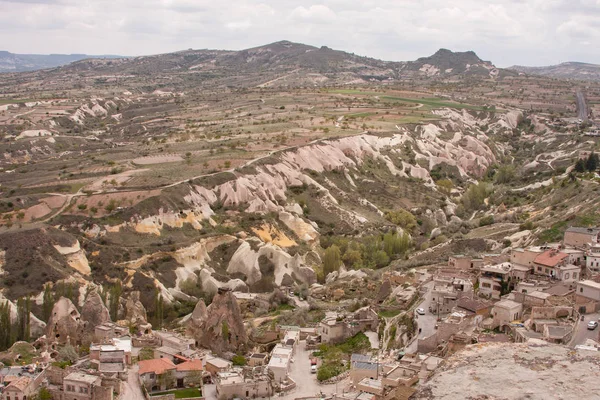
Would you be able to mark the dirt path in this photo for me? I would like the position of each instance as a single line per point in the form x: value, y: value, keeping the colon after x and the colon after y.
x: 131, y: 388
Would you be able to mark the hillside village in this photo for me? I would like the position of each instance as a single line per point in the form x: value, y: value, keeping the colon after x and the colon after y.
x: 548, y: 293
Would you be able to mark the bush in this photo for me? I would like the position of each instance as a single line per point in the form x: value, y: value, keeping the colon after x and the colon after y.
x: 487, y: 220
x: 402, y: 218
x: 238, y: 360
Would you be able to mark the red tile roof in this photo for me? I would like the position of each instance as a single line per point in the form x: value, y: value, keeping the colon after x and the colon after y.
x: 158, y: 366
x: 191, y: 365
x: 550, y: 258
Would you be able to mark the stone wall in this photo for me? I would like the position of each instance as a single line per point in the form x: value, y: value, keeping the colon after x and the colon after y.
x: 551, y: 312
x: 427, y: 344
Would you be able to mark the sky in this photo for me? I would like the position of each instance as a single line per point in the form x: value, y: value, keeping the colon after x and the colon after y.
x: 506, y: 32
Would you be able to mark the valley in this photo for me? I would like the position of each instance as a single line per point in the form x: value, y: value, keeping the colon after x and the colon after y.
x: 285, y: 185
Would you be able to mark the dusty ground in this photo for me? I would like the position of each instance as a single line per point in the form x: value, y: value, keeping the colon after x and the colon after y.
x: 536, y: 370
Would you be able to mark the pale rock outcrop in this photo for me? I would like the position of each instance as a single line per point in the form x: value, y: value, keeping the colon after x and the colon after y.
x: 440, y: 218
x: 303, y: 230
x: 211, y: 285
x: 65, y: 324
x: 76, y: 257
x: 435, y: 233
x: 246, y: 261
x: 94, y: 312
x: 218, y: 327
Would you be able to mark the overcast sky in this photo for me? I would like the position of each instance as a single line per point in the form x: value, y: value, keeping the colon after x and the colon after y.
x: 506, y: 32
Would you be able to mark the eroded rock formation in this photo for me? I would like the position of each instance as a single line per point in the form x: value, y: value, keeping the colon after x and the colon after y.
x: 218, y: 327
x: 65, y: 324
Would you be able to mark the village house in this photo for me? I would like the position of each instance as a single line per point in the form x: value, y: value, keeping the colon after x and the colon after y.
x: 174, y: 341
x: 506, y: 311
x: 214, y: 365
x: 362, y: 366
x: 581, y: 237
x: 592, y: 258
x: 464, y: 263
x: 243, y: 385
x: 157, y: 374
x: 108, y: 331
x: 336, y: 328
x: 494, y: 280
x: 81, y: 386
x: 280, y: 362
x: 550, y: 262
x: 587, y: 296
x: 111, y: 357
x: 576, y: 256
x: 258, y: 359
x: 21, y: 388
x: 525, y: 257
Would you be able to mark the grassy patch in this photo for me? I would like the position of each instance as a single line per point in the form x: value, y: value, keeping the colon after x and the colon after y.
x: 336, y: 358
x: 389, y: 313
x: 434, y: 103
x: 187, y: 393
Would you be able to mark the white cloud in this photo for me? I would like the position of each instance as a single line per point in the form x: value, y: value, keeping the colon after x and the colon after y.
x: 530, y: 32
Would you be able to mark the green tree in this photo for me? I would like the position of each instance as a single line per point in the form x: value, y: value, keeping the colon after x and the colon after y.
x: 238, y: 360
x: 5, y: 326
x: 114, y: 300
x: 23, y: 318
x: 591, y: 164
x: 474, y: 198
x: 580, y: 166
x: 402, y: 218
x: 44, y: 394
x: 48, y: 303
x: 505, y: 174
x: 68, y: 354
x: 225, y: 330
x: 331, y: 259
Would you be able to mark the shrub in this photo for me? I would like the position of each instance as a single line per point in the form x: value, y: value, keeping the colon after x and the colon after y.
x: 487, y: 220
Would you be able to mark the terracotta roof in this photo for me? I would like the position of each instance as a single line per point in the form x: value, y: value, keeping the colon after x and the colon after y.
x: 158, y: 366
x: 550, y: 258
x: 191, y: 365
x: 20, y: 384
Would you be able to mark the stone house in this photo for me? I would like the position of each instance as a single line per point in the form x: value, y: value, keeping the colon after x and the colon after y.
x: 492, y: 279
x: 238, y: 385
x: 81, y: 386
x: 587, y: 296
x: 214, y: 365
x: 19, y: 389
x: 506, y: 311
x: 464, y: 263
x: 581, y: 237
x: 548, y: 263
x: 157, y: 374
x: 258, y: 359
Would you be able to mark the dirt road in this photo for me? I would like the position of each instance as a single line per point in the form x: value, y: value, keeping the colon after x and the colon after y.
x: 582, y: 108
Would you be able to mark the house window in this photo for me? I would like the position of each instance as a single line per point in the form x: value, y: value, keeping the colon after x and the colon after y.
x: 539, y: 268
x: 574, y: 275
x: 567, y: 275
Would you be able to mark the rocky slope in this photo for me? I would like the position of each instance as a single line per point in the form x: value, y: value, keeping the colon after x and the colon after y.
x: 567, y: 70
x: 535, y: 370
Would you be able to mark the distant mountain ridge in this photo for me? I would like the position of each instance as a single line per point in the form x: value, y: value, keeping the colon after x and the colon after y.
x: 566, y: 70
x: 291, y: 64
x: 11, y: 62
